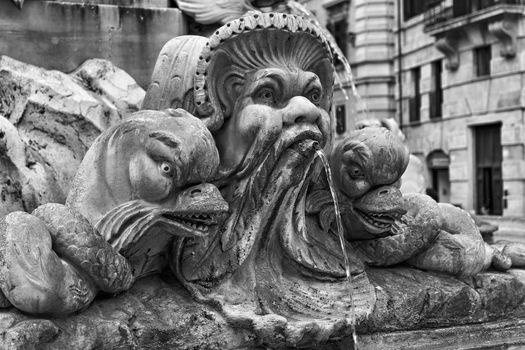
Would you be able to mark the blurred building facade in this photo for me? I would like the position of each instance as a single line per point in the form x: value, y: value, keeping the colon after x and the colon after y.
x: 363, y: 31
x: 452, y: 73
x: 462, y: 91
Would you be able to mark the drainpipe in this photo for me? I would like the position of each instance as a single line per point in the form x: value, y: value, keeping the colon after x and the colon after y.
x: 399, y: 71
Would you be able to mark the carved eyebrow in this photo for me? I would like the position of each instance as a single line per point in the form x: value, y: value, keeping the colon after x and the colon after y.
x: 361, y: 151
x: 313, y: 79
x: 165, y: 138
x: 273, y: 76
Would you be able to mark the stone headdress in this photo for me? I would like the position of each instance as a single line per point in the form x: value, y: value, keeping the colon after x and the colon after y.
x: 254, y: 41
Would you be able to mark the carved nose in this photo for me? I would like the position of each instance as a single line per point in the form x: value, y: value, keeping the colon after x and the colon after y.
x: 383, y: 192
x: 201, y: 198
x: 389, y: 192
x: 301, y: 110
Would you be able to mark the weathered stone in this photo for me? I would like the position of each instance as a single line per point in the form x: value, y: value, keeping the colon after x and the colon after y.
x: 488, y: 335
x: 122, y: 216
x: 29, y: 334
x: 158, y: 313
x: 272, y: 272
x: 153, y: 315
x: 412, y: 299
x: 55, y: 117
x: 27, y: 179
x: 107, y: 81
x: 62, y: 35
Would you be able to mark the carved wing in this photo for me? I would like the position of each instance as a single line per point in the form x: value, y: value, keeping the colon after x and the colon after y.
x: 18, y: 3
x: 213, y: 11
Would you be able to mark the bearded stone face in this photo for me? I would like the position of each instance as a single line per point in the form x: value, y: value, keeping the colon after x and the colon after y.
x: 276, y: 107
x: 272, y: 126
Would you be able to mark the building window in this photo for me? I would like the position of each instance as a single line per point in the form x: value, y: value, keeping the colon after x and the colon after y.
x: 340, y: 119
x: 436, y: 94
x: 412, y: 8
x: 339, y: 30
x: 489, y: 159
x: 415, y: 100
x: 482, y: 57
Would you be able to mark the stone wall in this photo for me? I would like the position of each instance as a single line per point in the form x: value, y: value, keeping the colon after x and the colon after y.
x: 62, y: 35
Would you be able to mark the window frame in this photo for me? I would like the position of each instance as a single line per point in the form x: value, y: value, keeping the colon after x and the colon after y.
x: 482, y: 56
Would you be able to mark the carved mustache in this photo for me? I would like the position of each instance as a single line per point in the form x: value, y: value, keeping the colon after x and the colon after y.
x: 270, y: 151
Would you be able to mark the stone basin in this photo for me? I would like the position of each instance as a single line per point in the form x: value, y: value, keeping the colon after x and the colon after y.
x: 421, y: 310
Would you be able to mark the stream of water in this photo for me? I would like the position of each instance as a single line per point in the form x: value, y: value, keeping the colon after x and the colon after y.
x: 328, y: 171
x: 360, y: 104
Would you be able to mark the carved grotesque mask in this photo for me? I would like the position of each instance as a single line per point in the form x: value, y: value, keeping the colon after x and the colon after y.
x: 271, y: 100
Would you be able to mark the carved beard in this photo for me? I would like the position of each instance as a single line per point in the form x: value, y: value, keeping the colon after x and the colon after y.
x: 254, y: 200
x: 247, y: 271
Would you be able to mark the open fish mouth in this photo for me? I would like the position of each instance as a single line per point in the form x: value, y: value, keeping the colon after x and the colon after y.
x: 377, y: 222
x: 192, y: 224
x: 124, y: 225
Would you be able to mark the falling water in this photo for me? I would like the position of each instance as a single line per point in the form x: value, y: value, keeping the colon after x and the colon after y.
x: 340, y: 85
x: 349, y: 77
x: 328, y: 171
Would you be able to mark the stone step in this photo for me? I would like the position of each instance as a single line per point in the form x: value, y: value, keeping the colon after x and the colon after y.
x: 489, y: 335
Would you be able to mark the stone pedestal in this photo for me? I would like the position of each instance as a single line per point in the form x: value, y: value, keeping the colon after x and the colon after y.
x: 62, y: 35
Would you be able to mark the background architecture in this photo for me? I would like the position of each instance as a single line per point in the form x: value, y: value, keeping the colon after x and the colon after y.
x: 452, y: 74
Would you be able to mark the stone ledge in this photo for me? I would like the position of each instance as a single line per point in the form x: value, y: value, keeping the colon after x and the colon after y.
x: 473, y: 336
x: 409, y: 299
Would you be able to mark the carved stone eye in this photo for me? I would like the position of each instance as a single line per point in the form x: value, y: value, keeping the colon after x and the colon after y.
x: 314, y: 96
x: 355, y: 172
x: 266, y: 94
x: 166, y: 169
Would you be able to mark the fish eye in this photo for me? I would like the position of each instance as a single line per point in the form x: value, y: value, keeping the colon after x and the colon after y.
x: 166, y: 169
x: 355, y: 172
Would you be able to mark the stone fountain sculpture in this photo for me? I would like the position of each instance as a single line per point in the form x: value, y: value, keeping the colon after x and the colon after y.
x: 219, y: 179
x: 129, y: 197
x: 388, y: 228
x: 263, y: 85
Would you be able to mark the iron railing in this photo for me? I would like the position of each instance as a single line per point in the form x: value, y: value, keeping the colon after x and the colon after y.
x: 438, y: 11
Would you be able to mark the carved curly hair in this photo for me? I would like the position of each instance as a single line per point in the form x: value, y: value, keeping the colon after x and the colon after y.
x: 253, y: 42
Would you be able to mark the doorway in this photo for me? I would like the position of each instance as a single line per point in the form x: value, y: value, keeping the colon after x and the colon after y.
x: 438, y: 164
x: 488, y: 156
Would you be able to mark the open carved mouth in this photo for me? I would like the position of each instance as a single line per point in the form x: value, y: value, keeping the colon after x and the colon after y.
x: 304, y: 147
x: 195, y: 223
x: 378, y: 221
x: 305, y: 142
